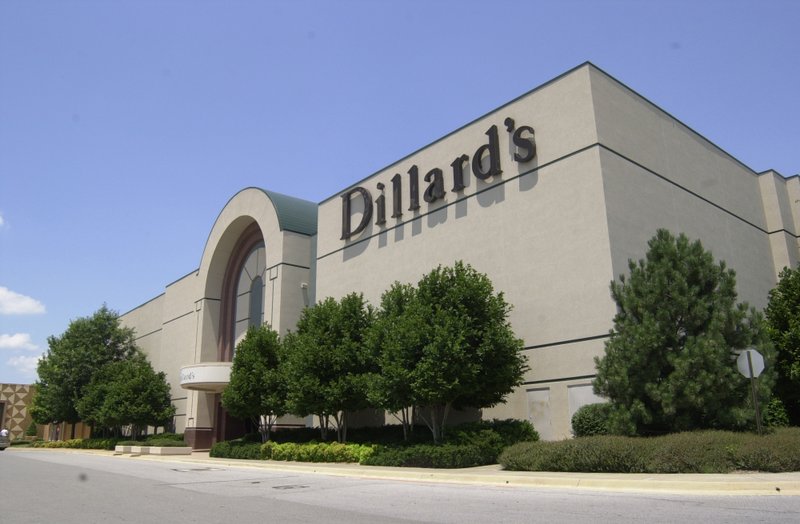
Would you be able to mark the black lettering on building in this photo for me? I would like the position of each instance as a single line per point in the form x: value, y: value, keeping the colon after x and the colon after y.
x: 347, y: 206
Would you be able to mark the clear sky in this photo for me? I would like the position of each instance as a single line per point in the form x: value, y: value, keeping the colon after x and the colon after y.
x: 126, y: 126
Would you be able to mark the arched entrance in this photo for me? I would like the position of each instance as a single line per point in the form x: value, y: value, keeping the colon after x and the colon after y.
x: 243, y: 306
x: 256, y: 268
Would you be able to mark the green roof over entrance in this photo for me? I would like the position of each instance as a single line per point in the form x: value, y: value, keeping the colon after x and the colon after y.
x: 294, y: 214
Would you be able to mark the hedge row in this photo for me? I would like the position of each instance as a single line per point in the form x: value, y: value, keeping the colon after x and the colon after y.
x: 160, y: 439
x: 432, y: 456
x: 316, y: 452
x: 691, y: 452
x: 467, y: 445
x: 418, y: 455
x: 78, y: 443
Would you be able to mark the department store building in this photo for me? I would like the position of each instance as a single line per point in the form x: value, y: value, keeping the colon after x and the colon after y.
x: 550, y: 195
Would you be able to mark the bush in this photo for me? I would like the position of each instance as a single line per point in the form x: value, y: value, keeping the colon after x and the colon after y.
x: 472, y: 444
x: 316, y: 452
x: 236, y: 449
x: 31, y: 431
x: 177, y: 437
x: 79, y: 443
x: 22, y: 443
x: 432, y: 456
x: 164, y: 443
x: 691, y: 452
x: 776, y: 452
x: 775, y: 415
x: 591, y: 420
x: 509, y: 431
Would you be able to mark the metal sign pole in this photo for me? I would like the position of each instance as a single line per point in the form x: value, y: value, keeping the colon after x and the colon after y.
x: 755, y: 394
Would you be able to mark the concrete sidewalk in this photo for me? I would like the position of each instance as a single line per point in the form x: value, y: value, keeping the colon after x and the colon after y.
x: 740, y: 483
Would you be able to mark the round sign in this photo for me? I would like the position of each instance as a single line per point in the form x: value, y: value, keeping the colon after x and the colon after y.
x: 750, y: 363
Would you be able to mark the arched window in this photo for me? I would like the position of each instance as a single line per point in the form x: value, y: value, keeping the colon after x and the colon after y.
x: 256, y: 302
x: 249, y: 310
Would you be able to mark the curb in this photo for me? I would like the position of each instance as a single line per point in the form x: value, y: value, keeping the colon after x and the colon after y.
x: 733, y: 484
x: 730, y: 484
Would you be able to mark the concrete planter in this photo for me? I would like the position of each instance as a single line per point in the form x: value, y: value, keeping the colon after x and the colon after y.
x: 153, y: 450
x: 157, y: 450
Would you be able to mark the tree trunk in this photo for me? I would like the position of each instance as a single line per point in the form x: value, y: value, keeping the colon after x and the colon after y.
x: 323, y: 426
x: 437, y: 421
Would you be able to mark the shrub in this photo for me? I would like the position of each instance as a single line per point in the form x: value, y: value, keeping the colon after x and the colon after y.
x: 776, y: 452
x: 690, y: 452
x: 590, y: 420
x: 22, y: 443
x: 432, y: 456
x: 79, y: 443
x: 165, y: 443
x: 509, y: 431
x: 31, y: 431
x: 177, y: 437
x: 236, y: 449
x: 775, y: 415
x: 316, y: 451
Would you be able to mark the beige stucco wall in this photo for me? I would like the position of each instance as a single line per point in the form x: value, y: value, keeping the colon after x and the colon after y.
x: 541, y: 237
x: 658, y: 173
x: 611, y: 169
x: 780, y: 197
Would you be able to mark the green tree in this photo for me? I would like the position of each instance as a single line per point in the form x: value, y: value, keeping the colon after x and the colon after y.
x: 328, y: 364
x: 465, y: 352
x: 127, y: 392
x: 669, y: 364
x: 257, y: 388
x: 783, y: 320
x: 71, y: 361
x: 396, y: 343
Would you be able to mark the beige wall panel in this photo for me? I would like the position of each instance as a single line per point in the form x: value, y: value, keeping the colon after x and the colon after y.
x: 181, y: 405
x: 515, y: 406
x: 180, y: 297
x: 775, y: 199
x: 146, y: 318
x: 784, y: 251
x: 559, y: 412
x: 781, y: 208
x: 562, y: 361
x: 177, y: 349
x: 635, y: 128
x: 793, y: 192
x: 206, y: 348
x: 543, y: 242
x: 290, y: 297
x: 296, y: 249
x: 639, y: 204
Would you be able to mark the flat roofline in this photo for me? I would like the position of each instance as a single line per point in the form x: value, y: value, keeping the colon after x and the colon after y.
x: 586, y: 64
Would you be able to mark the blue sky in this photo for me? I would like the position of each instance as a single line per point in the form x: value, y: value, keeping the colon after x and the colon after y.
x: 125, y: 126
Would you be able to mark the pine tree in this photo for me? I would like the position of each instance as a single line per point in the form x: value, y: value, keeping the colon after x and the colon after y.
x: 669, y: 363
x: 783, y: 319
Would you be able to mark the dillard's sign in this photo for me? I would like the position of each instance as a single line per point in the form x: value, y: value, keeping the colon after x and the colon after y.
x: 524, y: 151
